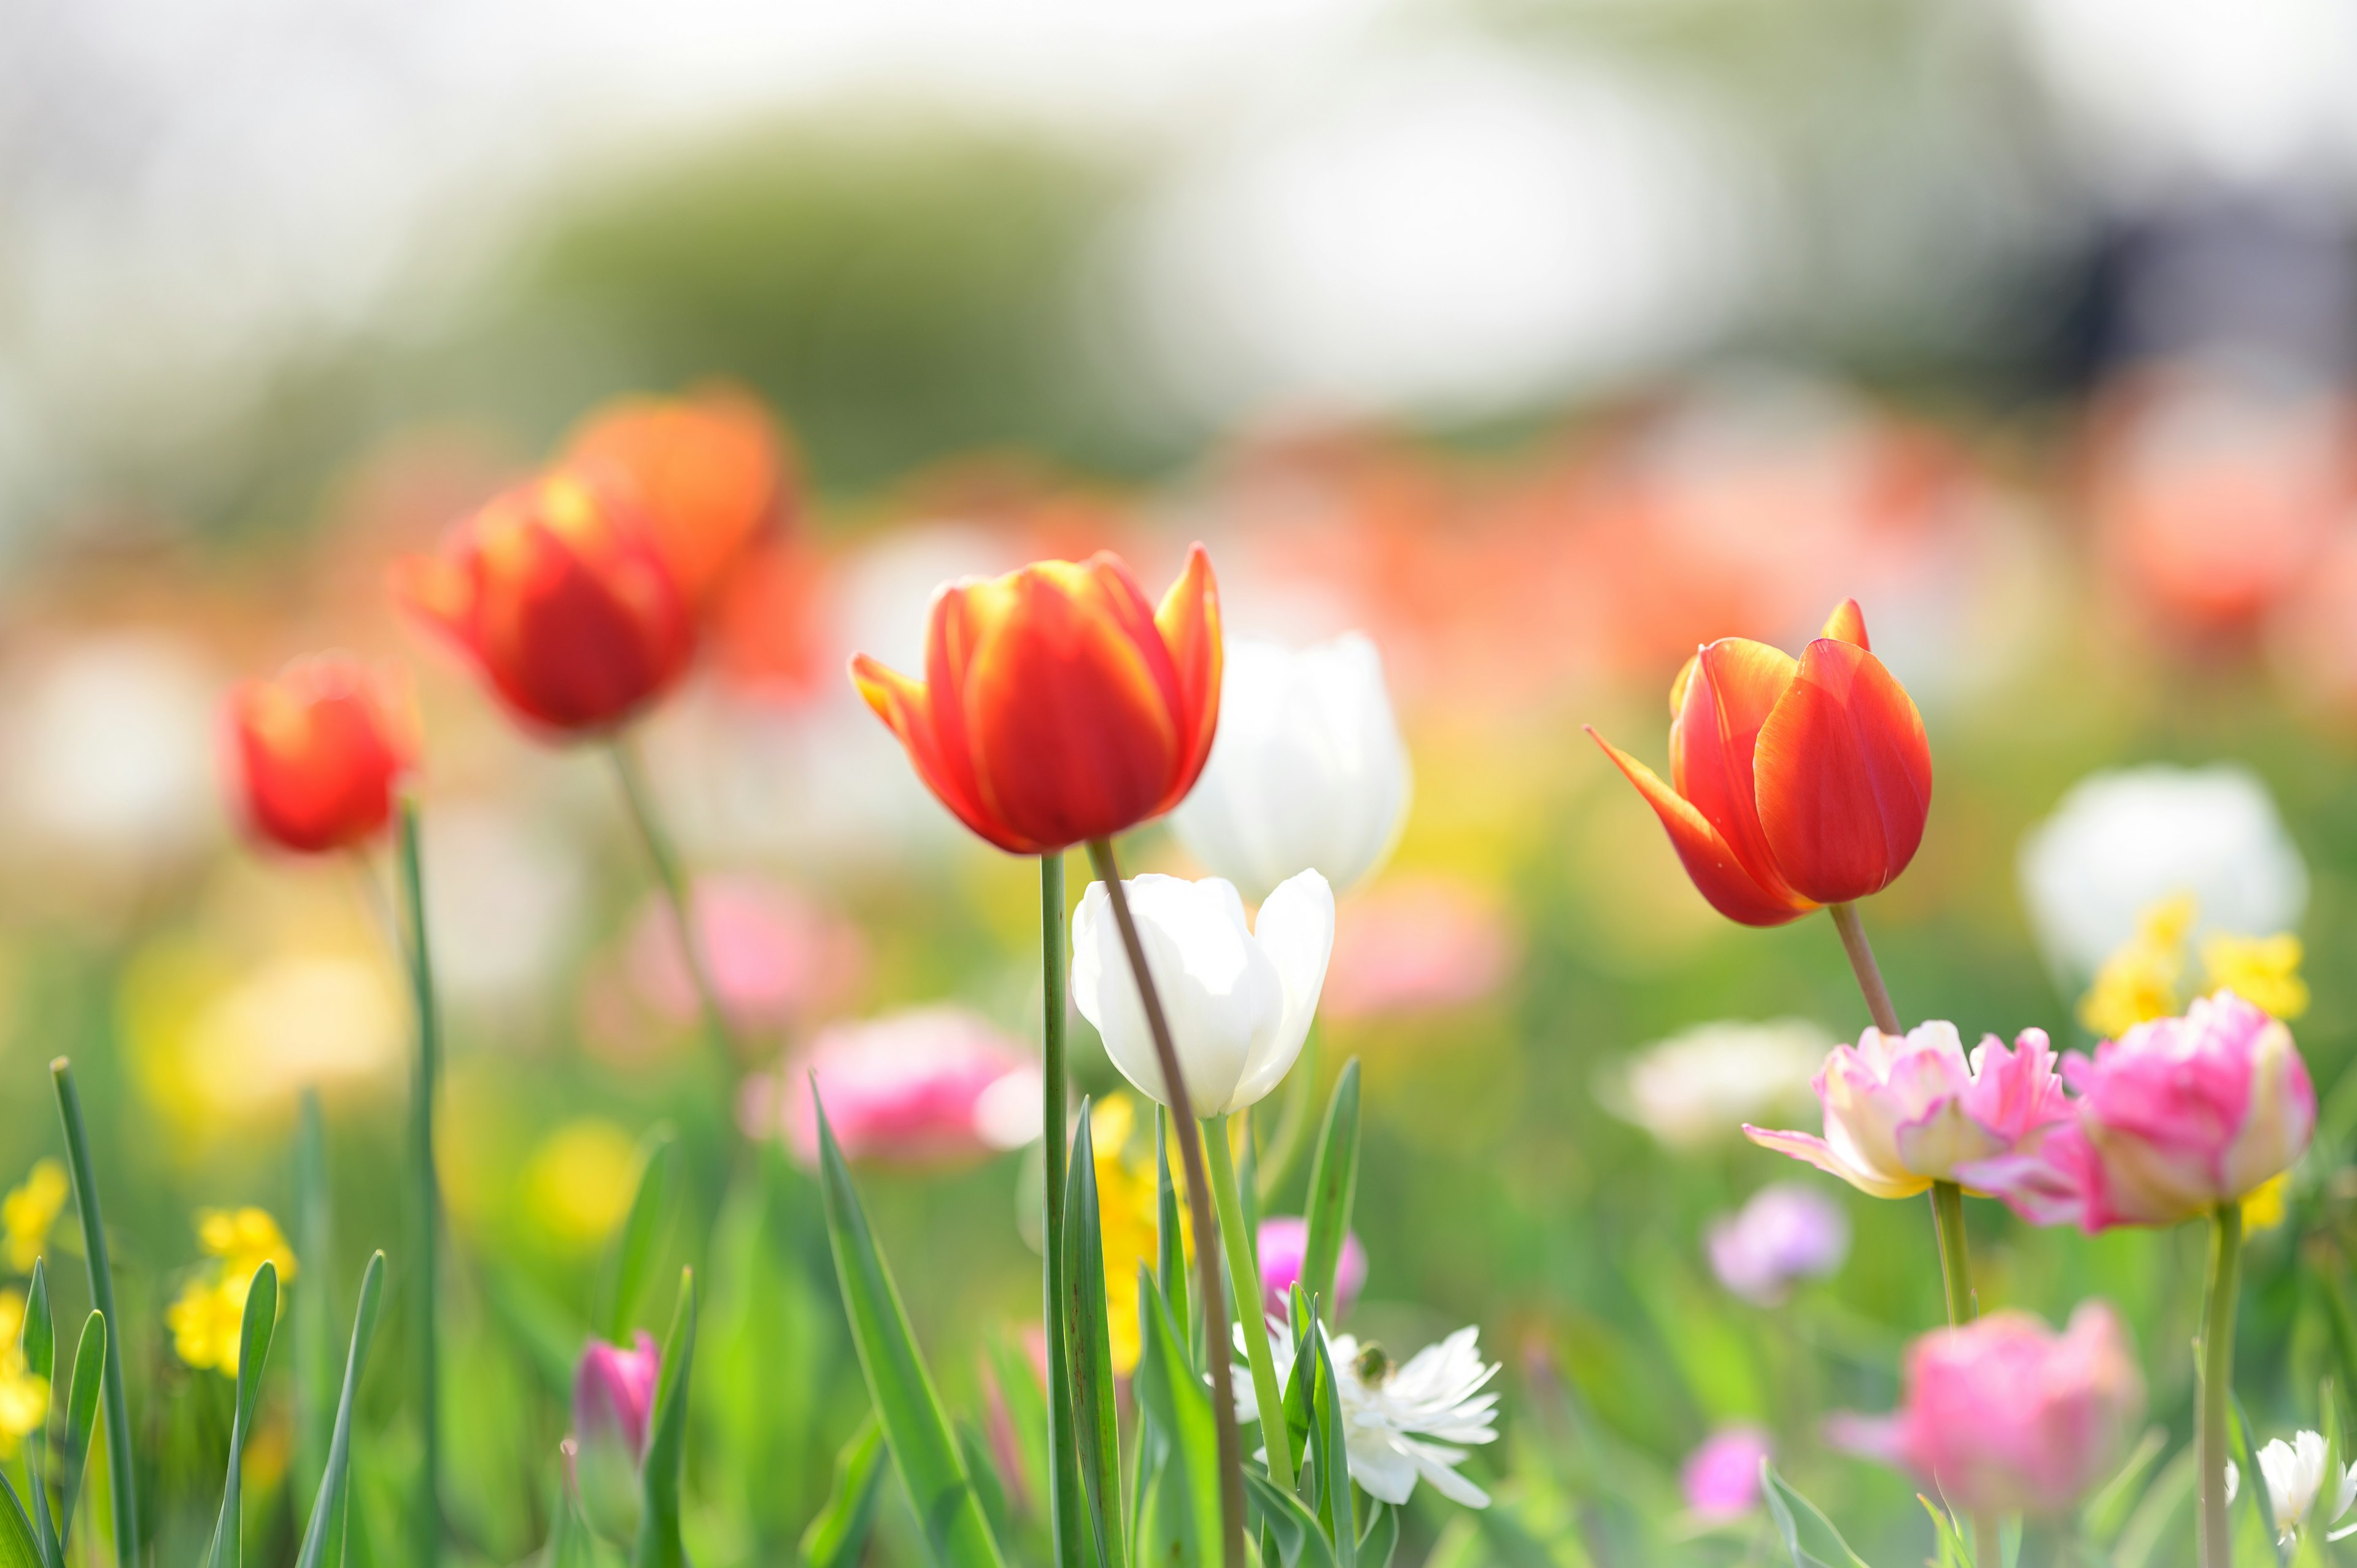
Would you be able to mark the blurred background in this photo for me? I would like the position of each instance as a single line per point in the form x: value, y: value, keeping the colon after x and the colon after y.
x: 1537, y: 339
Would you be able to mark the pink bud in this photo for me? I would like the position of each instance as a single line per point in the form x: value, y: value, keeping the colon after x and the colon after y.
x: 926, y: 1085
x: 1284, y: 1240
x: 2003, y: 1415
x: 1721, y: 1477
x: 1787, y: 1232
x: 614, y: 1392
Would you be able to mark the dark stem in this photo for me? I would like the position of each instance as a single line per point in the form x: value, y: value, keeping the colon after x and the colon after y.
x: 2218, y: 1382
x: 1861, y: 962
x: 1064, y: 1522
x: 428, y: 1504
x: 1199, y: 1204
x: 665, y: 859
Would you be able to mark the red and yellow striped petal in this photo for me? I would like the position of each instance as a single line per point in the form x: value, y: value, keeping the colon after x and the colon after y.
x: 1846, y: 624
x: 1735, y: 686
x: 1718, y: 872
x: 1844, y: 774
x: 1188, y: 620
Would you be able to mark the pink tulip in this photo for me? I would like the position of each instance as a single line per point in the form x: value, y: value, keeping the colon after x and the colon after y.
x: 2003, y: 1415
x: 774, y: 956
x: 921, y: 1087
x: 1903, y: 1111
x: 2174, y: 1118
x: 613, y: 1397
x: 1284, y: 1240
x: 1788, y: 1232
x: 1721, y: 1477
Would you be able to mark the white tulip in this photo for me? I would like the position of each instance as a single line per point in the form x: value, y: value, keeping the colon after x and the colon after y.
x: 2120, y: 843
x: 1239, y: 999
x: 1307, y: 771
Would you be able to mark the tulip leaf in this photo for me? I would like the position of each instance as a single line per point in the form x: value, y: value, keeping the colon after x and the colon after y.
x: 254, y: 1332
x: 2254, y: 1492
x: 2155, y: 1519
x: 1180, y: 1513
x: 1300, y: 1388
x: 122, y: 1467
x: 1380, y: 1538
x: 1088, y: 1343
x: 659, y: 1543
x: 924, y: 1450
x: 1019, y: 1387
x: 1333, y: 1182
x: 570, y: 1544
x: 988, y: 1489
x: 1826, y: 1548
x: 634, y: 1248
x: 327, y: 1524
x: 81, y: 1417
x: 19, y: 1548
x: 311, y: 1315
x: 2107, y: 1513
x: 1329, y: 1447
x: 1169, y: 1238
x: 38, y: 1342
x: 1301, y: 1538
x: 837, y: 1537
x: 1953, y: 1552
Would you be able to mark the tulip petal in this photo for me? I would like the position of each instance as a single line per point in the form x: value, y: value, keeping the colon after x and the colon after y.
x: 1713, y: 867
x: 1846, y: 624
x: 1188, y: 620
x: 1822, y: 1155
x: 1844, y: 774
x: 902, y: 703
x: 1735, y: 686
x: 1297, y: 931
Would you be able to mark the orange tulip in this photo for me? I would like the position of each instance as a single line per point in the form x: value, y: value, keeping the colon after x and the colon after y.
x: 709, y: 468
x: 316, y: 750
x: 1058, y: 706
x: 558, y: 592
x: 1792, y: 782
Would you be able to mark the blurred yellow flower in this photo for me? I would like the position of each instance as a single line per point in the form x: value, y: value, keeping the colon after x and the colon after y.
x: 2264, y: 1209
x: 2262, y: 971
x: 245, y: 1239
x: 2144, y: 979
x: 211, y: 1310
x: 1128, y: 1219
x: 24, y: 1398
x: 579, y: 1182
x: 28, y: 1212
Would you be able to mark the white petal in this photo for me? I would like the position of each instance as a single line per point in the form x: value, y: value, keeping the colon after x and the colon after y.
x: 1296, y: 933
x: 1388, y: 1475
x: 1105, y: 997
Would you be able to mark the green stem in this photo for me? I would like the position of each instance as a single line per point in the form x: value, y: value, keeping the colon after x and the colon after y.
x: 427, y: 1506
x: 1199, y: 1205
x: 1068, y: 1535
x: 1955, y: 1268
x: 1244, y: 1272
x: 1862, y: 964
x: 2218, y: 1381
x: 668, y: 871
x: 121, y: 1480
x: 315, y: 1331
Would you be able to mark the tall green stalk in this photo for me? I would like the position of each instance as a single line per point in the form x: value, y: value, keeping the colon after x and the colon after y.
x: 426, y: 1504
x: 121, y: 1482
x: 2218, y: 1381
x: 674, y: 878
x: 1068, y: 1534
x: 1244, y: 1272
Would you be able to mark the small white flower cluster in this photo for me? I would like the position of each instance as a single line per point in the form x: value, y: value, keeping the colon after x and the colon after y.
x: 2295, y: 1473
x: 1401, y: 1419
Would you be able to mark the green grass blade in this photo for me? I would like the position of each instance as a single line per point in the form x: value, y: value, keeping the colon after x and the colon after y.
x: 901, y: 1391
x: 659, y: 1544
x: 122, y: 1483
x: 1333, y: 1182
x: 837, y: 1537
x: 81, y: 1418
x: 1331, y: 1443
x: 2105, y: 1514
x: 1180, y: 1526
x: 1301, y: 1540
x: 1300, y: 1385
x: 335, y: 1482
x: 1170, y: 1251
x: 19, y: 1547
x: 313, y: 1310
x: 1380, y: 1539
x: 254, y: 1331
x: 1829, y: 1548
x: 1089, y: 1344
x: 425, y: 1203
x: 570, y: 1544
x: 642, y: 1234
x: 38, y: 1342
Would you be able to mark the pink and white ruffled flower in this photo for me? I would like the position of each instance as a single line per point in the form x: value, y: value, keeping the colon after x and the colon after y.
x: 925, y: 1086
x: 2171, y: 1120
x: 1905, y: 1111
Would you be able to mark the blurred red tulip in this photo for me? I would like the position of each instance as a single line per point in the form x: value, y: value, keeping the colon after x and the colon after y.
x: 1058, y: 704
x: 1792, y: 782
x: 558, y: 592
x: 708, y: 468
x: 317, y: 751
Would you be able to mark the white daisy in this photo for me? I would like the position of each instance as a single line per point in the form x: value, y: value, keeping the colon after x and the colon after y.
x: 1400, y: 1419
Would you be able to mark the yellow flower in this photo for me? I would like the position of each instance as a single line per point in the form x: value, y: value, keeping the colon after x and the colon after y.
x: 2264, y: 1208
x: 1128, y: 1217
x: 24, y: 1398
x: 578, y: 1184
x: 245, y: 1239
x: 28, y: 1212
x: 2262, y: 971
x: 206, y: 1320
x: 2139, y: 980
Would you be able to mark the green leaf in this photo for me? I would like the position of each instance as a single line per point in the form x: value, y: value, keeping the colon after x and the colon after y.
x: 38, y: 1342
x: 1829, y: 1549
x: 1027, y: 1412
x: 19, y: 1547
x: 1088, y: 1342
x: 1380, y: 1538
x: 311, y: 1314
x: 81, y: 1416
x: 2254, y: 1499
x: 1333, y: 1181
x: 38, y: 1338
x: 839, y: 1534
x: 335, y: 1482
x: 1330, y: 1446
x: 2155, y: 1519
x: 1180, y: 1516
x: 1170, y: 1248
x: 988, y: 1490
x: 570, y: 1544
x: 923, y: 1449
x: 1301, y: 1540
x: 2105, y: 1514
x: 642, y: 1234
x: 659, y: 1544
x: 1949, y: 1539
x: 122, y: 1467
x: 261, y: 1321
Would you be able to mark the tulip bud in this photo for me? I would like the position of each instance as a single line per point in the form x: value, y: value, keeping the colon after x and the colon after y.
x: 1059, y: 705
x: 558, y: 592
x: 1239, y: 997
x: 707, y: 468
x: 1283, y: 1245
x: 2006, y: 1416
x: 613, y: 1397
x: 316, y: 752
x: 1307, y: 771
x: 1721, y: 1478
x: 1787, y: 1232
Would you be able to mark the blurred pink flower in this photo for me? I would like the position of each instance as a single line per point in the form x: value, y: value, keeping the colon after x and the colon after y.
x: 927, y: 1085
x: 1417, y: 944
x: 775, y: 956
x: 1902, y: 1111
x: 2174, y: 1118
x: 1787, y: 1232
x: 1284, y: 1238
x: 2003, y: 1415
x: 613, y: 1397
x: 1721, y: 1477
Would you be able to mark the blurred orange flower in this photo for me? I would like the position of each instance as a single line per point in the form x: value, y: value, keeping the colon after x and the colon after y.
x: 1058, y: 704
x: 317, y: 749
x: 709, y: 468
x: 559, y: 593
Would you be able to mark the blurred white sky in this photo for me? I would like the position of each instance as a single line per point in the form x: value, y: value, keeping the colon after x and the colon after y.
x: 1366, y: 201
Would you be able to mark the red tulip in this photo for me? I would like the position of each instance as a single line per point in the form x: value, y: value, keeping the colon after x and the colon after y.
x: 558, y: 592
x: 1792, y: 782
x: 708, y: 468
x: 1058, y: 704
x: 317, y: 751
